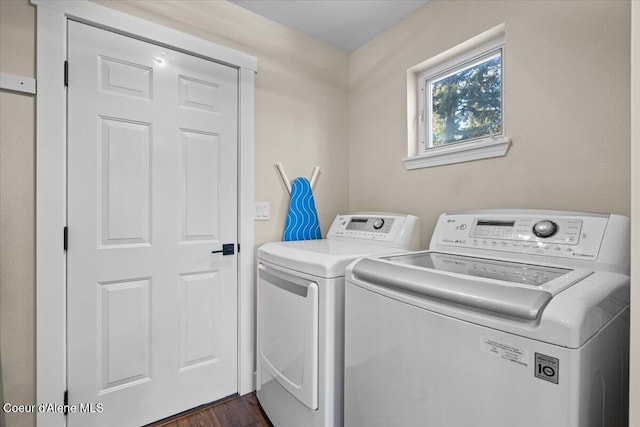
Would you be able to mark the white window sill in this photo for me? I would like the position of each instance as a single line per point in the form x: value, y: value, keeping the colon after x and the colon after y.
x: 461, y: 152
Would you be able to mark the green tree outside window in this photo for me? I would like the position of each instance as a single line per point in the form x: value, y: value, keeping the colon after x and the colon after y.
x: 468, y: 103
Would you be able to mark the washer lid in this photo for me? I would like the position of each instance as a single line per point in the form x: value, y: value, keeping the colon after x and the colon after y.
x: 322, y: 258
x: 516, y: 273
x: 508, y: 288
x: 567, y: 310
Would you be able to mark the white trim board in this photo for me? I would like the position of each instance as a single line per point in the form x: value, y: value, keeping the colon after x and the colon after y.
x: 100, y: 16
x: 459, y: 152
x: 51, y: 41
x: 17, y: 83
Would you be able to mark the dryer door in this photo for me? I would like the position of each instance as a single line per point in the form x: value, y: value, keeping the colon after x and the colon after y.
x: 288, y: 333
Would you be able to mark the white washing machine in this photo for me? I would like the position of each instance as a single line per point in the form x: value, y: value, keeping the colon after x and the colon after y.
x: 511, y: 319
x: 301, y: 315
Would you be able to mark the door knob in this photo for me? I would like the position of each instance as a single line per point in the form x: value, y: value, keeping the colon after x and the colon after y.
x: 227, y: 249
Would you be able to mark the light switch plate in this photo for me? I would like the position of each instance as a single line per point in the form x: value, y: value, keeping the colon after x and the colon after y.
x: 263, y: 211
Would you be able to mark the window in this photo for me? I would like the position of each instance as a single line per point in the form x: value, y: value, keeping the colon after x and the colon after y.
x: 460, y: 104
x: 464, y: 103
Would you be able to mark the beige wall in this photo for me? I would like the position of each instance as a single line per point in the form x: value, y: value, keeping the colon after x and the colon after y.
x: 301, y: 120
x: 567, y: 66
x: 17, y: 211
x: 634, y: 401
x: 566, y: 107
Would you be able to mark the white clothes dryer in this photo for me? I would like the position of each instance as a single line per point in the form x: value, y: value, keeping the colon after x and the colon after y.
x: 301, y: 315
x: 512, y: 318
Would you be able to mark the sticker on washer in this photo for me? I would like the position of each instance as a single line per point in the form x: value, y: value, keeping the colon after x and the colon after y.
x: 547, y: 368
x: 504, y: 351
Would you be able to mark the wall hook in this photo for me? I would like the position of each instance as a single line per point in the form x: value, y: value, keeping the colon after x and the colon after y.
x: 287, y: 183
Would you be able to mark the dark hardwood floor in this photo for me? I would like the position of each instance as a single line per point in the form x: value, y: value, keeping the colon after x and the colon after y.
x: 235, y: 411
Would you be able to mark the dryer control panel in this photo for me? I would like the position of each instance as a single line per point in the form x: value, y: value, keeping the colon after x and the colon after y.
x: 554, y: 234
x: 397, y: 230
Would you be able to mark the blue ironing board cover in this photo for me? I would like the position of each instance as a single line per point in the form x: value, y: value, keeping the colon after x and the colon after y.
x: 302, y: 218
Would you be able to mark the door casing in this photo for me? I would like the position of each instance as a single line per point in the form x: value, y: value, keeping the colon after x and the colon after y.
x: 51, y: 41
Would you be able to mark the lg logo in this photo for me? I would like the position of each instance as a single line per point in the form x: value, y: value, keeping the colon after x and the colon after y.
x: 546, y: 368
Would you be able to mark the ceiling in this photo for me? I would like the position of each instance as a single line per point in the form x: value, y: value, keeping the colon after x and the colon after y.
x: 344, y: 24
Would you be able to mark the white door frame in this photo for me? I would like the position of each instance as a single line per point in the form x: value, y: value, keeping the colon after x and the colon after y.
x: 51, y: 116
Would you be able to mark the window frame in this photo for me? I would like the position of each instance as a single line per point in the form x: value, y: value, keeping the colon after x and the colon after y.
x: 455, y: 59
x: 427, y: 78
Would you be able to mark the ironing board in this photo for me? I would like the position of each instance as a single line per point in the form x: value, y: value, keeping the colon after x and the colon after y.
x: 302, y: 218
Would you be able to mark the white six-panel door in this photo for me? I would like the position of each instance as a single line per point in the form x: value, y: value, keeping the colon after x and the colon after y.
x: 152, y: 191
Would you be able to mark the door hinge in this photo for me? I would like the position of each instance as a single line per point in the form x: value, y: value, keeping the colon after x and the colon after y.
x: 65, y: 402
x: 66, y: 73
x: 238, y: 247
x: 65, y: 239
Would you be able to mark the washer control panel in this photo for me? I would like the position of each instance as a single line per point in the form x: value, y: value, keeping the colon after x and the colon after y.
x: 359, y: 225
x: 560, y: 231
x: 389, y: 229
x: 550, y: 234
